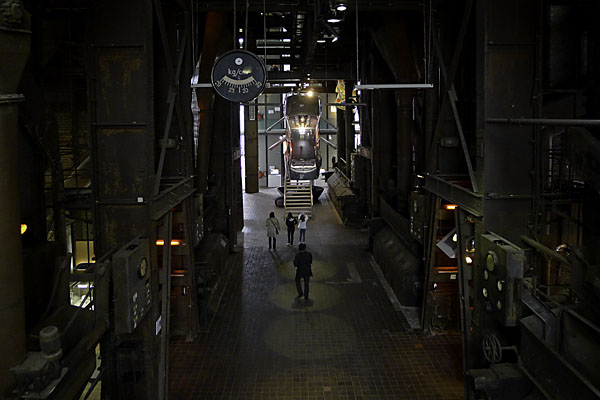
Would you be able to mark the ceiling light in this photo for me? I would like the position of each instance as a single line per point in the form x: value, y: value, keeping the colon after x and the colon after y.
x: 341, y: 7
x: 320, y: 40
x: 333, y: 19
x: 335, y: 38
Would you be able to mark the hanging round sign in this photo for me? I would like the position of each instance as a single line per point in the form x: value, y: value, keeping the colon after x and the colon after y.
x: 238, y: 76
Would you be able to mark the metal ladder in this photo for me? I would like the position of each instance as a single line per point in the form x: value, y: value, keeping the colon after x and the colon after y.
x: 298, y: 197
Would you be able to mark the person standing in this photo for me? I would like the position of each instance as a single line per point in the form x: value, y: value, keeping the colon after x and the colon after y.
x: 290, y: 222
x: 303, y: 262
x: 302, y: 227
x: 272, y: 225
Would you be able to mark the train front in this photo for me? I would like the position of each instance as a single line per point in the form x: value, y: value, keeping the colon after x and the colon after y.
x: 302, y: 113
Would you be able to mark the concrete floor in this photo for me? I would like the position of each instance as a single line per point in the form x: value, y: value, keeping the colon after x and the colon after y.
x: 346, y: 342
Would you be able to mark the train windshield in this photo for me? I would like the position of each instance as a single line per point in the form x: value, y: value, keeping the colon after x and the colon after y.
x: 303, y: 123
x: 303, y: 144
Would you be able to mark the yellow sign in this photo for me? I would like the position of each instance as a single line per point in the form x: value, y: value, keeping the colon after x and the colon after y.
x: 340, y: 93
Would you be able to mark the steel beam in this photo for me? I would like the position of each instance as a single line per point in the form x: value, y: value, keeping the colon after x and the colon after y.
x: 171, y: 197
x: 392, y: 86
x: 544, y: 121
x: 464, y: 198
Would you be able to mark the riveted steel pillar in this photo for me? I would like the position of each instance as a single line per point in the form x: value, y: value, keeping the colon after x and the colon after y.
x: 251, y: 149
x: 341, y: 135
x: 349, y: 131
x: 121, y: 90
x: 14, y: 48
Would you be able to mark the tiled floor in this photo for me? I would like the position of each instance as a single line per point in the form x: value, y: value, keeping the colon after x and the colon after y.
x: 346, y: 342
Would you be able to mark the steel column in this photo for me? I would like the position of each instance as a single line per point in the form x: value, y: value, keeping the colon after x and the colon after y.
x: 12, y: 309
x: 349, y: 132
x: 165, y: 280
x: 216, y: 40
x: 432, y: 155
x: 14, y: 47
x: 251, y: 149
x: 122, y: 128
x: 341, y: 135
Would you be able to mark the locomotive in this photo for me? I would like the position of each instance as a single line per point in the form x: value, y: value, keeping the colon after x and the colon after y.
x: 302, y: 112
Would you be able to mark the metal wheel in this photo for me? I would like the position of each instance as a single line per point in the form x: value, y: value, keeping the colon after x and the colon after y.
x: 492, y: 348
x: 279, y: 201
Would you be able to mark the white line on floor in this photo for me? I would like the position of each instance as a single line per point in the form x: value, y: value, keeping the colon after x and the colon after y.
x: 410, y: 313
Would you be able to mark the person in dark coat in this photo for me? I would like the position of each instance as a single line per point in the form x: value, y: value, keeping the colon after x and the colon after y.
x: 291, y: 222
x: 303, y: 261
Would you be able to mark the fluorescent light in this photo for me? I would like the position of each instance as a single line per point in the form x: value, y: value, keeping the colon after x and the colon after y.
x: 335, y: 39
x: 174, y: 242
x: 333, y: 20
x: 320, y: 40
x: 341, y: 7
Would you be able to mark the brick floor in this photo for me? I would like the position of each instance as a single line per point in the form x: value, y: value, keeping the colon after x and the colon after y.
x: 346, y: 342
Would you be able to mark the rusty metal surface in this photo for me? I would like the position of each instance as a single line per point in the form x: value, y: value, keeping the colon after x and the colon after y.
x: 125, y: 173
x: 121, y: 104
x: 121, y: 79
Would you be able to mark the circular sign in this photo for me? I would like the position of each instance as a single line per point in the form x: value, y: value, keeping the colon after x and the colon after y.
x: 238, y: 76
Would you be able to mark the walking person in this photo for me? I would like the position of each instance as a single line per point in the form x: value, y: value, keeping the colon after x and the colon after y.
x: 272, y: 225
x: 303, y: 261
x: 302, y: 227
x: 290, y: 222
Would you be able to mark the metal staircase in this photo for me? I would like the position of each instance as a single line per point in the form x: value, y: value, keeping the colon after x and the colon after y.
x: 298, y: 197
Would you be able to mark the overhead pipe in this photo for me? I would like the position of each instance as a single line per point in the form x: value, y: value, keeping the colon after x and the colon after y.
x: 544, y: 121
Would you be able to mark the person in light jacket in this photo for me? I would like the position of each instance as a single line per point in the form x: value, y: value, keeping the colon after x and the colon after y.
x: 302, y: 227
x: 272, y: 225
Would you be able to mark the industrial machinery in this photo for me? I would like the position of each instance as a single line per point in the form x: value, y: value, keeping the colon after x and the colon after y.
x: 500, y: 281
x: 133, y: 296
